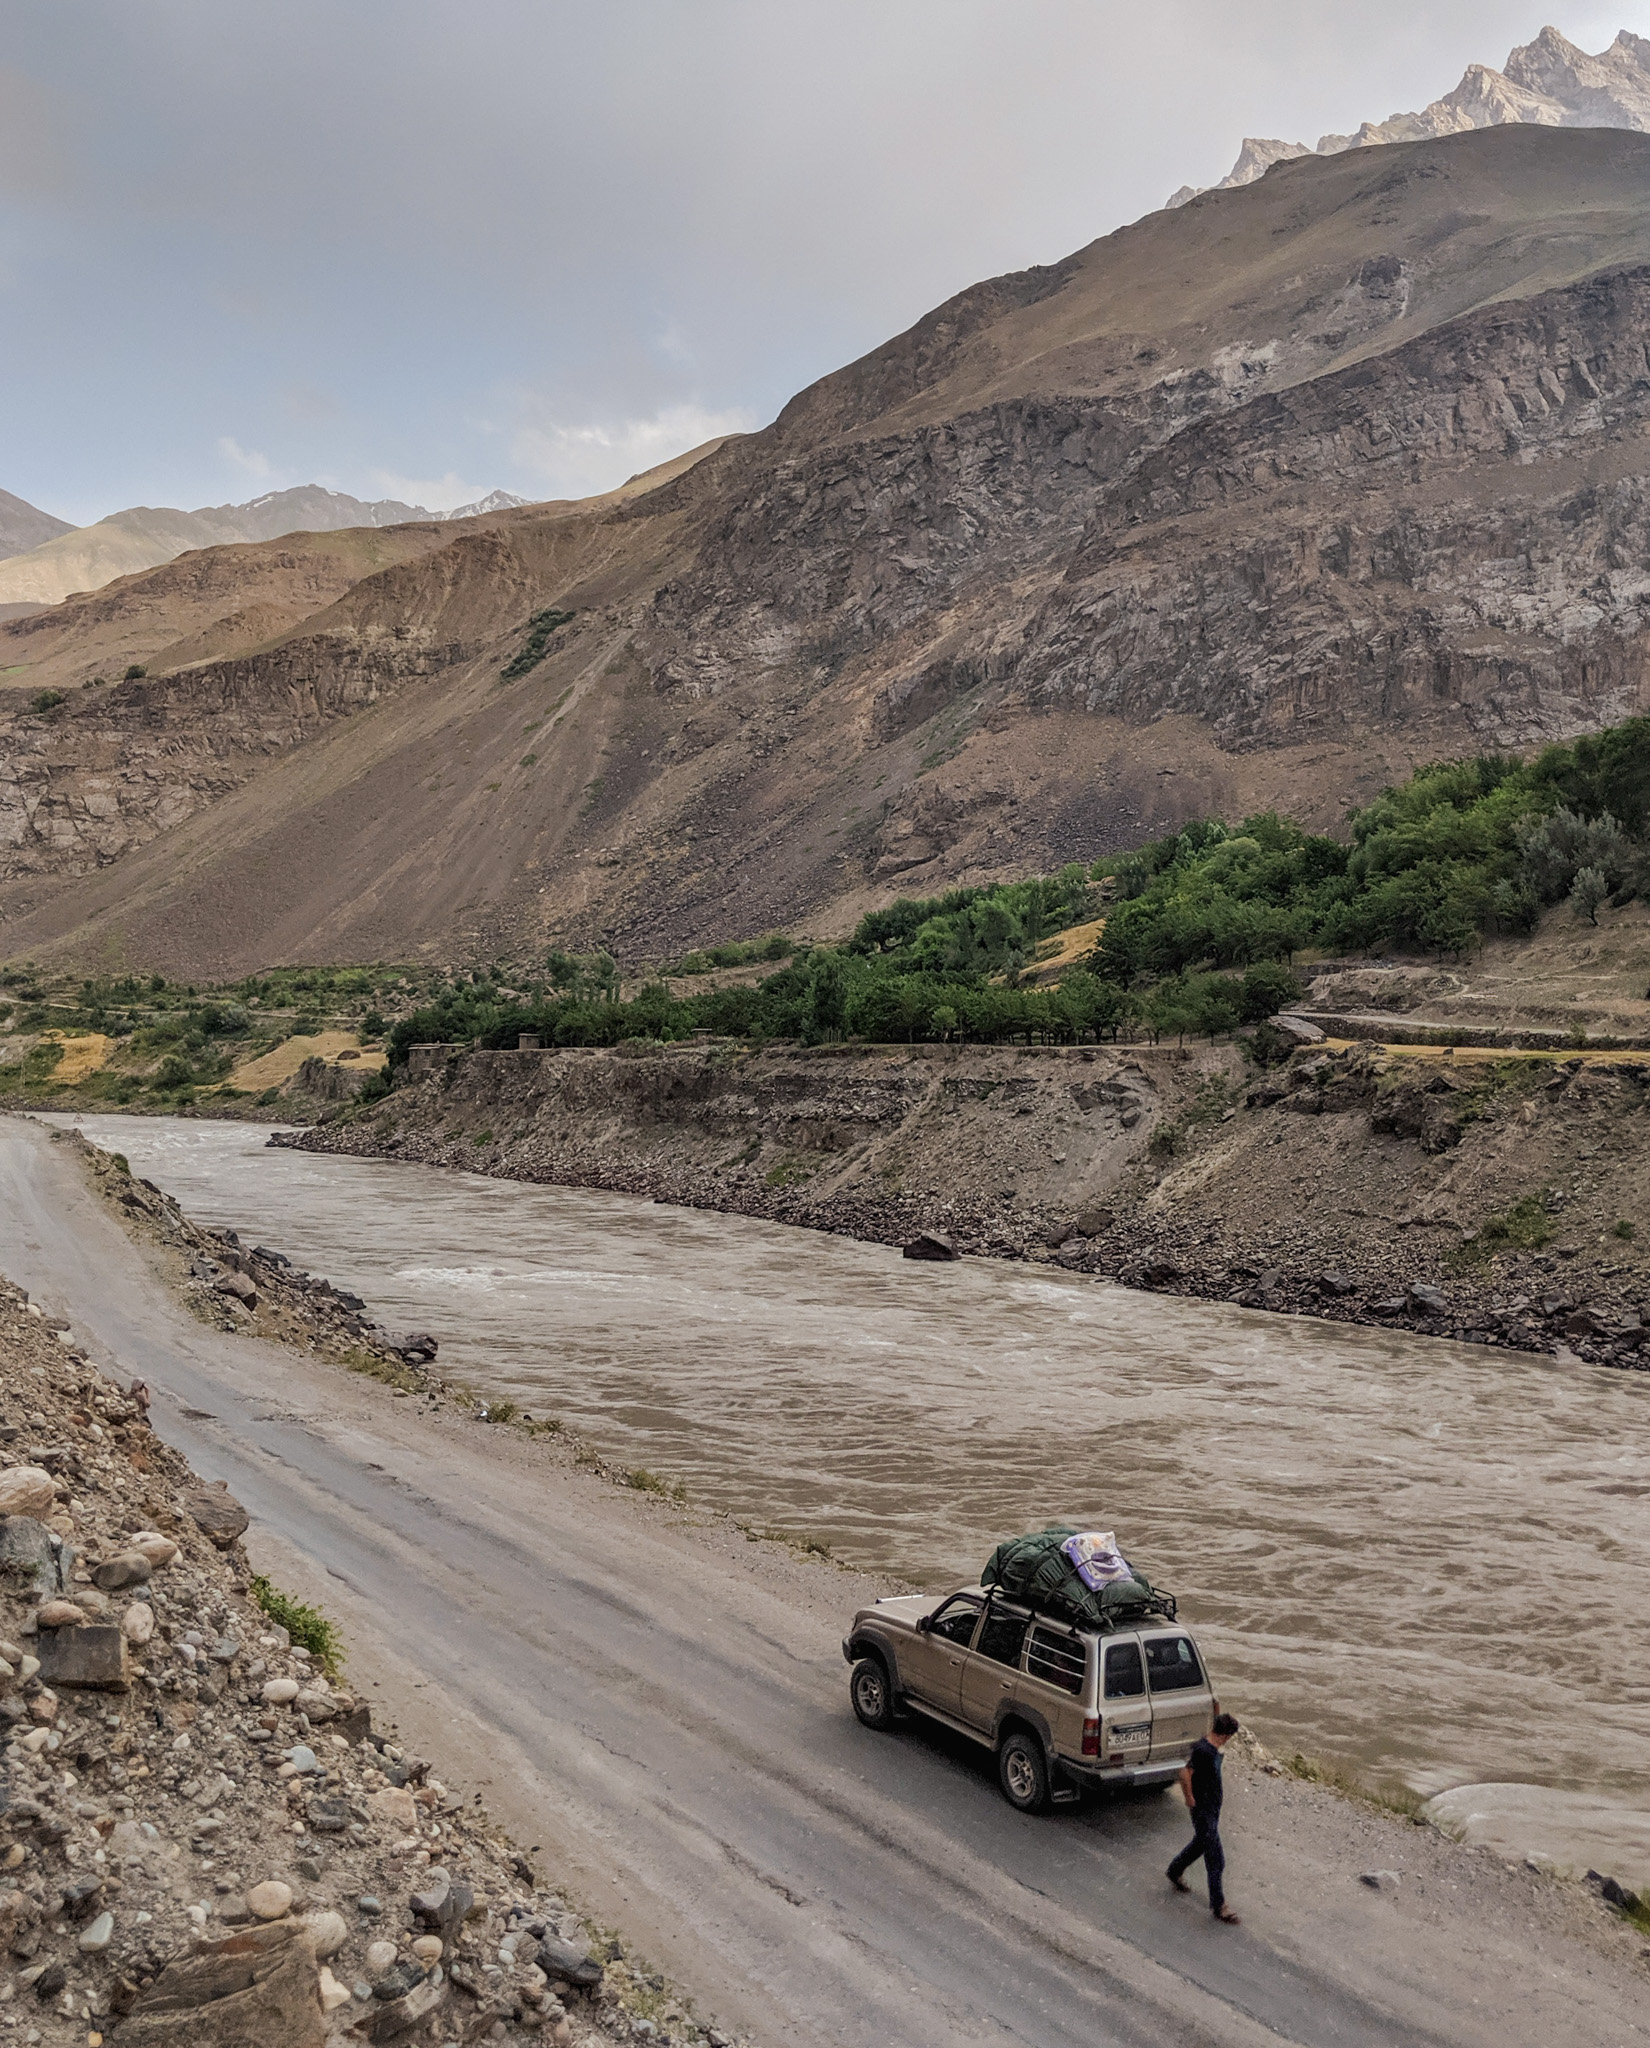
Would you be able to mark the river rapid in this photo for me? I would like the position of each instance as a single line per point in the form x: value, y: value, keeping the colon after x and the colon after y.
x: 1424, y: 1559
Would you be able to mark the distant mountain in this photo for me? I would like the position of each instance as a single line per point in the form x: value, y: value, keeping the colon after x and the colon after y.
x: 24, y: 526
x: 495, y: 501
x: 61, y: 559
x: 1546, y: 84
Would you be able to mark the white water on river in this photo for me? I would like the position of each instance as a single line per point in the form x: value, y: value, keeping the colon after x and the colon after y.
x: 1426, y: 1559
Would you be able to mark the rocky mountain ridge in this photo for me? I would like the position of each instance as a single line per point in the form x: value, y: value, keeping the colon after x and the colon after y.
x: 1548, y: 82
x: 1254, y: 503
x: 67, y: 559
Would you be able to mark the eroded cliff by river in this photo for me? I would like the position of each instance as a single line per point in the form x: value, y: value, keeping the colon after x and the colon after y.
x: 1503, y: 1201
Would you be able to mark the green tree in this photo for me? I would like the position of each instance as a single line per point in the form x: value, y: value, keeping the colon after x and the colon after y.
x: 1591, y: 887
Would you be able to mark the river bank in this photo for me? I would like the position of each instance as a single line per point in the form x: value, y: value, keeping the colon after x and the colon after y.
x: 489, y: 1582
x: 1500, y: 1202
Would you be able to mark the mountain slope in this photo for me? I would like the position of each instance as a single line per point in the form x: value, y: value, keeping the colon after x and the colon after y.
x: 1546, y: 83
x: 1255, y: 502
x: 87, y: 557
x: 24, y: 526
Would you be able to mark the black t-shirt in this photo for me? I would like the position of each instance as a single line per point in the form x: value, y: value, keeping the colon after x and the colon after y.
x: 1205, y: 1763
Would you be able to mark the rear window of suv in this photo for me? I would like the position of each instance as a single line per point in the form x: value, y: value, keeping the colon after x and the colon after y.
x: 1173, y: 1665
x: 1056, y: 1660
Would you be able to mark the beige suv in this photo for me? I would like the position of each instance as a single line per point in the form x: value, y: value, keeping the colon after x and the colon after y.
x: 1063, y: 1708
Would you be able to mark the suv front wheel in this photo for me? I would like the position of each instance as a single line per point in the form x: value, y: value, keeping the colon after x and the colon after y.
x: 872, y: 1695
x: 1022, y: 1770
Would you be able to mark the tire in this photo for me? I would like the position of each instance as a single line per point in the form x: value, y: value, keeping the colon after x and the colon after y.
x: 871, y: 1693
x: 1022, y: 1771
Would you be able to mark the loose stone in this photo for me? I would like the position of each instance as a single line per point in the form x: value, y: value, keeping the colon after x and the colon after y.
x: 271, y: 1900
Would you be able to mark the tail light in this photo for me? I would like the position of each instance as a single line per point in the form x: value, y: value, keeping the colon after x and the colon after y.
x: 1091, y: 1735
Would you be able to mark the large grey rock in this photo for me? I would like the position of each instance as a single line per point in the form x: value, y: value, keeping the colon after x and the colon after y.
x: 216, y: 1513
x: 558, y: 1958
x: 241, y: 1286
x: 34, y: 1559
x: 93, y: 1656
x: 930, y: 1244
x: 128, y: 1568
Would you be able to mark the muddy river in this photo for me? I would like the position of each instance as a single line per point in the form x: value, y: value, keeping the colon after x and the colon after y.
x: 1425, y: 1559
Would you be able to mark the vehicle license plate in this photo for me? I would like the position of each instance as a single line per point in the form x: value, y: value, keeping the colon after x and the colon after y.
x: 1138, y: 1737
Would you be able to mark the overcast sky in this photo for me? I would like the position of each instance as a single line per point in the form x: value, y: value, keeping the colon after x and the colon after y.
x: 426, y: 248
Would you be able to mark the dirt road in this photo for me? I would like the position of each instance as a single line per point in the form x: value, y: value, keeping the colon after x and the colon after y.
x: 661, y: 1705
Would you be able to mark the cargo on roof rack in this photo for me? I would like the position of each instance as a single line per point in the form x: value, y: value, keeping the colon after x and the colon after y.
x: 1038, y: 1570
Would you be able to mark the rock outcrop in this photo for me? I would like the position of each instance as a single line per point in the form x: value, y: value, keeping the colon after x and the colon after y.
x: 1545, y: 83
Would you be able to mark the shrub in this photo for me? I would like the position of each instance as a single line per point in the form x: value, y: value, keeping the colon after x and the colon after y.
x: 533, y: 649
x: 1526, y: 1226
x: 135, y: 673
x: 307, y: 1626
x: 1624, y: 1230
x: 47, y: 700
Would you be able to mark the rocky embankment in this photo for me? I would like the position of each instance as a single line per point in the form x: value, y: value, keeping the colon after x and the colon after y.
x: 1505, y: 1202
x: 203, y: 1839
x: 233, y: 1285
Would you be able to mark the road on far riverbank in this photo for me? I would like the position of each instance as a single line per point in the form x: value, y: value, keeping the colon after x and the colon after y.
x: 661, y: 1704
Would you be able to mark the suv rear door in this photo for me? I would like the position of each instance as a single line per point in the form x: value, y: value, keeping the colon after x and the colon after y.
x: 992, y: 1668
x: 931, y: 1659
x: 1125, y: 1704
x: 1181, y: 1701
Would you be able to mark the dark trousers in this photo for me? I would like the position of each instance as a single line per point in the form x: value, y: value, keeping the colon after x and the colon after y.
x: 1205, y: 1842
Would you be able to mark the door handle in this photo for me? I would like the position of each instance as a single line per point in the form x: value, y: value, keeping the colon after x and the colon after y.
x: 1007, y: 1682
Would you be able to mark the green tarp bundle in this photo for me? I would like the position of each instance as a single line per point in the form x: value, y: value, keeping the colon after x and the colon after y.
x: 1036, y: 1569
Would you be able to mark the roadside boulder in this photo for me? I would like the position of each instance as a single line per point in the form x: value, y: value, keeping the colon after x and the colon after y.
x: 930, y: 1244
x: 565, y: 1959
x: 35, y: 1559
x: 216, y: 1513
x: 126, y: 1568
x: 27, y: 1490
x: 1425, y: 1300
x: 413, y: 1347
x: 256, y: 1988
x: 91, y: 1655
x: 1335, y: 1282
x: 240, y: 1285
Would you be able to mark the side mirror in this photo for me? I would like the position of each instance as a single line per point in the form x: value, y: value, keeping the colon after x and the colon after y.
x: 924, y: 1623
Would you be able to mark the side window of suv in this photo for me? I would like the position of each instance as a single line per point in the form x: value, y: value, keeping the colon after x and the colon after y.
x: 1001, y: 1637
x: 956, y: 1623
x: 1056, y: 1659
x: 1173, y: 1664
x: 1125, y: 1675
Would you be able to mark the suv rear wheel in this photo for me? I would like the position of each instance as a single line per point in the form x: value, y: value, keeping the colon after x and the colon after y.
x: 1022, y: 1770
x: 872, y: 1695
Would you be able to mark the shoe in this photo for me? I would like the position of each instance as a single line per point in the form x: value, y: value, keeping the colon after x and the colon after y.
x: 1229, y: 1917
x: 1179, y: 1883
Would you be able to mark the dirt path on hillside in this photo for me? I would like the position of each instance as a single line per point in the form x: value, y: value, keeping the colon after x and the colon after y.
x: 661, y: 1703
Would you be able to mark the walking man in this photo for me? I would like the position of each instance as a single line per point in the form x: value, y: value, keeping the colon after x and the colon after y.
x: 1200, y: 1788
